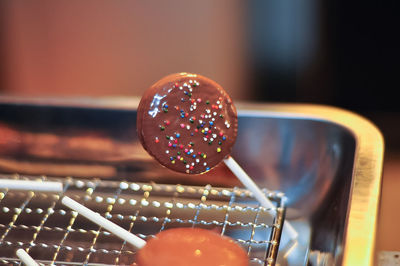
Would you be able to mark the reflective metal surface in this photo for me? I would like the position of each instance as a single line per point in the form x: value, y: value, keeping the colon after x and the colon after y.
x: 328, y: 161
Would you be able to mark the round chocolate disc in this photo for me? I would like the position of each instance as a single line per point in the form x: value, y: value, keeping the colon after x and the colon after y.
x: 187, y: 122
x: 191, y: 246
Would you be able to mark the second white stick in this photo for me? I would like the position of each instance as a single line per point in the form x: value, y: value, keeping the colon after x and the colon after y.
x: 103, y: 222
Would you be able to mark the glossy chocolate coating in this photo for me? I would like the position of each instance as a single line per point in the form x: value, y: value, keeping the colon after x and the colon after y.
x: 191, y: 246
x: 187, y: 122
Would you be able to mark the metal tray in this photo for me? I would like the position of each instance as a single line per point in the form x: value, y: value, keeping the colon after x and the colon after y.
x: 327, y: 161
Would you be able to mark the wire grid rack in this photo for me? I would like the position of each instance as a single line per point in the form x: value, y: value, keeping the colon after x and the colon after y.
x: 54, y: 235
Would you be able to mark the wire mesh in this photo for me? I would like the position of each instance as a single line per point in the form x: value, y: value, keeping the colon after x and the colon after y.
x: 53, y: 234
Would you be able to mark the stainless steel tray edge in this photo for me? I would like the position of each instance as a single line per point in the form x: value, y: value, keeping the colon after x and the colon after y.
x: 360, y: 231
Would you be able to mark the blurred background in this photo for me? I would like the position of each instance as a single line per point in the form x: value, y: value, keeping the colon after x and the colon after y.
x: 338, y: 53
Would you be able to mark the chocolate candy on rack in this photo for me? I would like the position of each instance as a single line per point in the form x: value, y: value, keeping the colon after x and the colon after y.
x: 191, y: 246
x: 187, y: 122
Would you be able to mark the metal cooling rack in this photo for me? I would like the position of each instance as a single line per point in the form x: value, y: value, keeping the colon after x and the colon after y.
x: 53, y: 234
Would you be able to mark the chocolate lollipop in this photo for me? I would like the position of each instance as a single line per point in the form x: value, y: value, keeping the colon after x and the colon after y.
x: 191, y: 246
x: 188, y: 123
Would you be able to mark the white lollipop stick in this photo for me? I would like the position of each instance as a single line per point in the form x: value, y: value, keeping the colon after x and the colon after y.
x: 103, y: 222
x: 25, y: 258
x: 43, y: 186
x: 258, y: 194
